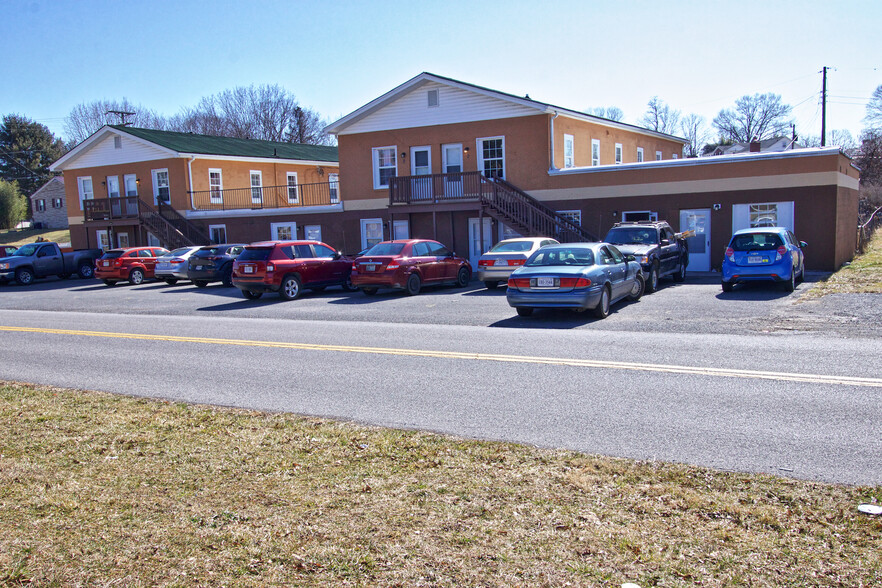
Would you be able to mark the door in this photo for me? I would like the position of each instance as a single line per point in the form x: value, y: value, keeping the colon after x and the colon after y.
x: 699, y: 243
x: 421, y: 165
x: 451, y: 163
x: 477, y: 247
x: 114, y: 195
x: 617, y: 269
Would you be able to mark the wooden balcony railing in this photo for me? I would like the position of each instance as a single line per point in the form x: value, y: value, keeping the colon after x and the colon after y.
x: 435, y: 188
x: 111, y: 208
x: 318, y: 194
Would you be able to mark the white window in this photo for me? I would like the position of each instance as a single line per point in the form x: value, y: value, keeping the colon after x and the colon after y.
x: 117, y: 142
x: 371, y: 232
x: 131, y: 184
x: 256, y: 187
x: 334, y: 187
x: 640, y: 155
x: 160, y: 186
x: 40, y: 205
x: 216, y: 185
x: 84, y: 186
x: 569, y: 151
x: 400, y: 229
x: 433, y: 98
x: 420, y: 161
x: 491, y: 157
x: 113, y: 186
x: 595, y: 151
x: 313, y: 232
x: 57, y: 203
x: 103, y: 239
x: 658, y: 155
x: 674, y: 155
x: 293, y: 194
x: 573, y: 215
x: 385, y: 166
x: 762, y: 214
x: 153, y: 240
x: 283, y: 231
x: 618, y: 153
x: 217, y: 233
x: 122, y: 240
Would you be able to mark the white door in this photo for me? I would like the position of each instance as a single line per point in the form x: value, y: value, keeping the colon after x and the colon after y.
x: 421, y: 165
x: 699, y: 244
x: 451, y: 163
x: 476, y: 246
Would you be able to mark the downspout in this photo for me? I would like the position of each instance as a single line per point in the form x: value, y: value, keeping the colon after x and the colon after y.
x: 551, y: 165
x: 190, y: 180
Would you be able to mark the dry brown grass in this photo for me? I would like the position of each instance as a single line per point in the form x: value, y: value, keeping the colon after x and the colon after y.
x: 15, y: 237
x: 863, y: 275
x: 103, y: 490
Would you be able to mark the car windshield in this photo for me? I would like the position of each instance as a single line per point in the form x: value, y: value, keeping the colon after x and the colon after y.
x: 112, y: 254
x: 385, y: 249
x: 208, y: 251
x: 632, y: 236
x: 27, y: 250
x: 512, y: 247
x: 255, y: 254
x: 756, y: 242
x: 561, y: 256
x: 178, y: 251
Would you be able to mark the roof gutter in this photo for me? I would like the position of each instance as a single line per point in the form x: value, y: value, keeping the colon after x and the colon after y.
x: 190, y: 180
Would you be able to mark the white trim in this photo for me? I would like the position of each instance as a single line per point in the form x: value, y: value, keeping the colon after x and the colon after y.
x: 619, y: 154
x: 480, y: 147
x: 98, y: 241
x: 335, y: 182
x: 375, y: 164
x: 640, y: 157
x: 224, y: 227
x: 363, y: 222
x: 653, y: 216
x: 125, y: 187
x: 154, y: 175
x: 112, y: 180
x: 274, y: 230
x: 659, y: 156
x: 62, y: 163
x: 569, y: 139
x: 413, y: 150
x: 220, y: 186
x: 270, y: 159
x: 259, y: 186
x: 249, y: 213
x: 82, y: 192
x: 288, y: 186
x: 595, y: 162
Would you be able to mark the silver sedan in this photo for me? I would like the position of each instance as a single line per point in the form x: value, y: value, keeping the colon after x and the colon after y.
x: 172, y: 266
x: 503, y: 258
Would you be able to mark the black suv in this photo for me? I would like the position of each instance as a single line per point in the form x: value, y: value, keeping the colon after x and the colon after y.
x: 213, y: 263
x: 659, y: 250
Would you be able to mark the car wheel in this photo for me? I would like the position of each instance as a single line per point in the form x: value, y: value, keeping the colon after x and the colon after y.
x: 251, y: 295
x: 200, y: 283
x: 637, y: 288
x: 136, y: 277
x: 525, y: 310
x: 347, y: 285
x: 110, y: 283
x: 680, y: 275
x: 727, y: 286
x: 227, y: 277
x: 652, y: 280
x: 369, y: 291
x: 413, y: 285
x: 790, y: 284
x: 171, y: 281
x: 24, y: 276
x: 290, y: 289
x: 491, y: 285
x: 86, y: 271
x: 601, y: 311
x: 801, y: 277
x: 463, y: 276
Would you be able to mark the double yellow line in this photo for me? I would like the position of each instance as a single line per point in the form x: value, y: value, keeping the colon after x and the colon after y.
x: 588, y: 363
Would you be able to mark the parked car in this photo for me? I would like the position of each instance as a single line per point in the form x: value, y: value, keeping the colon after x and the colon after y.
x: 172, y: 266
x: 768, y: 254
x: 38, y: 260
x: 408, y: 264
x: 134, y: 264
x: 287, y: 267
x: 659, y: 250
x: 497, y: 264
x: 579, y: 276
x: 213, y: 263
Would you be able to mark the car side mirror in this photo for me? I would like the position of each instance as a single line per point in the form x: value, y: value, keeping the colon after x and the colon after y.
x: 803, y: 244
x: 337, y: 255
x: 630, y: 257
x: 665, y: 241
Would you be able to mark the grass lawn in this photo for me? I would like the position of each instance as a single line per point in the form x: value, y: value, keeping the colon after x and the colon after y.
x: 104, y: 490
x: 862, y: 275
x: 15, y: 237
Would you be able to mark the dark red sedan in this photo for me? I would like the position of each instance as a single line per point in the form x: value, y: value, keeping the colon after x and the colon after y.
x: 408, y: 264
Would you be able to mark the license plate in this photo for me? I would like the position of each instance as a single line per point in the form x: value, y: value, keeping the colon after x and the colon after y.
x: 370, y: 268
x: 248, y: 269
x: 105, y: 263
x: 757, y: 259
x: 545, y: 282
x: 500, y: 262
x: 198, y: 267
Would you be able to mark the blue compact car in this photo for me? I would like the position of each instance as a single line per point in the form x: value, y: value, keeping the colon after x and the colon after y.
x: 579, y: 276
x: 768, y: 254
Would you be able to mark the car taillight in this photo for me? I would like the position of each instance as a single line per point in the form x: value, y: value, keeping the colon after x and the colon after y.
x: 730, y: 253
x: 517, y: 262
x: 117, y: 261
x: 485, y: 262
x: 270, y: 267
x: 574, y: 282
x: 781, y: 251
x: 176, y: 260
x: 393, y: 266
x: 354, y: 267
x: 519, y: 282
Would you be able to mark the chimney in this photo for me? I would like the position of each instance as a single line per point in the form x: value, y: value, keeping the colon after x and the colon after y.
x: 755, y: 145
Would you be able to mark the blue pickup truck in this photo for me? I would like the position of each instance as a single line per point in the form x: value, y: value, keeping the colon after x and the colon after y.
x: 39, y: 260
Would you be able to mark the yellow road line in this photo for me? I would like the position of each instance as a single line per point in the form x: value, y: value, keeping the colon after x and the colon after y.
x: 618, y: 365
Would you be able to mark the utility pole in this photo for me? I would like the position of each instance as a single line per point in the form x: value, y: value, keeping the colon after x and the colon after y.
x: 824, y: 107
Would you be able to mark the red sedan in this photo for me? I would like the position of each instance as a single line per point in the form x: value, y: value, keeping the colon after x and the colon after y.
x: 408, y: 264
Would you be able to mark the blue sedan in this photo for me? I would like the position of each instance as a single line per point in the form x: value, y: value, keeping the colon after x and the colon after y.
x: 579, y: 276
x: 764, y: 254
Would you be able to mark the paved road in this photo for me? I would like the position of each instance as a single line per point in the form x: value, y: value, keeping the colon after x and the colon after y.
x: 639, y: 384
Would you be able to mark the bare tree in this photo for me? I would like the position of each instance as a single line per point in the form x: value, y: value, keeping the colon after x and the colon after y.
x: 660, y: 117
x: 694, y: 129
x: 85, y: 119
x: 840, y: 137
x: 869, y: 158
x: 760, y: 116
x: 607, y: 112
x: 873, y: 119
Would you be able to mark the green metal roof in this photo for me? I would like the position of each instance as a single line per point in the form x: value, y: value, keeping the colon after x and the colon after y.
x: 210, y: 145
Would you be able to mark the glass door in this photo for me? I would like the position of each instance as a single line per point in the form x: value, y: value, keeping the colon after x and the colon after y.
x: 451, y: 162
x: 697, y: 221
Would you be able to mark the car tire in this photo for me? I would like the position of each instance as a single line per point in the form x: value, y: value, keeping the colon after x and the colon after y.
x: 463, y: 276
x: 227, y: 276
x: 491, y: 285
x: 24, y: 276
x: 680, y: 274
x: 790, y: 284
x: 347, y: 285
x: 638, y: 288
x: 369, y: 291
x: 251, y: 295
x: 291, y: 288
x: 86, y: 271
x: 652, y: 280
x: 414, y: 283
x: 524, y: 310
x: 171, y: 281
x: 601, y: 311
x: 136, y: 277
x: 727, y: 286
x: 200, y: 283
x: 110, y: 283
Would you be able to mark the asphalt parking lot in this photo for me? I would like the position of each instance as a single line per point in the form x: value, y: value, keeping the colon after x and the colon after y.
x: 696, y: 306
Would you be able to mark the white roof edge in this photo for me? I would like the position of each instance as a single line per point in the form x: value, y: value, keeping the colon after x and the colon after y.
x: 329, y: 163
x: 89, y: 141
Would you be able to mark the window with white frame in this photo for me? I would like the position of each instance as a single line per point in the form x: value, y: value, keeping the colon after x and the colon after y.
x: 575, y: 216
x: 313, y: 232
x: 293, y: 194
x: 640, y: 155
x: 217, y: 233
x: 103, y: 239
x: 256, y: 186
x: 595, y: 151
x: 762, y: 214
x: 334, y: 187
x: 371, y: 232
x: 385, y: 166
x: 40, y: 205
x: 434, y: 98
x: 57, y: 203
x: 658, y: 155
x: 122, y: 240
x: 113, y: 186
x: 130, y: 183
x: 569, y: 151
x: 117, y: 142
x: 215, y: 185
x: 160, y: 186
x: 675, y: 156
x: 491, y: 157
x: 84, y: 187
x: 283, y: 231
x: 618, y: 153
x: 153, y: 240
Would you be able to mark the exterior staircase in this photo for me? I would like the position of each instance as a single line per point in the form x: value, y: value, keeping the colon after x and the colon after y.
x: 172, y: 229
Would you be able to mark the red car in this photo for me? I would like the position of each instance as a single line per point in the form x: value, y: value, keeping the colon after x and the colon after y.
x: 407, y: 265
x: 287, y: 267
x: 134, y: 264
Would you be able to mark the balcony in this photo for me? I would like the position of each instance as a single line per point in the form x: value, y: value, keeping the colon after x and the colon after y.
x: 302, y: 195
x: 438, y: 188
x: 127, y: 207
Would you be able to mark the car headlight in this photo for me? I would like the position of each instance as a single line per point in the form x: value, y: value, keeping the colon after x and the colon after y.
x: 4, y: 266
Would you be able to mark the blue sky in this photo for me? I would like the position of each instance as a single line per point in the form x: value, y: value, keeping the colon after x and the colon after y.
x: 336, y: 56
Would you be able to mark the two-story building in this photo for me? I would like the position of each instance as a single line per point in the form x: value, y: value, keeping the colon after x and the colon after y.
x: 48, y: 208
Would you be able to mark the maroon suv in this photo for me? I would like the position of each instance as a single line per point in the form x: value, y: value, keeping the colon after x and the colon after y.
x: 287, y: 267
x: 408, y: 264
